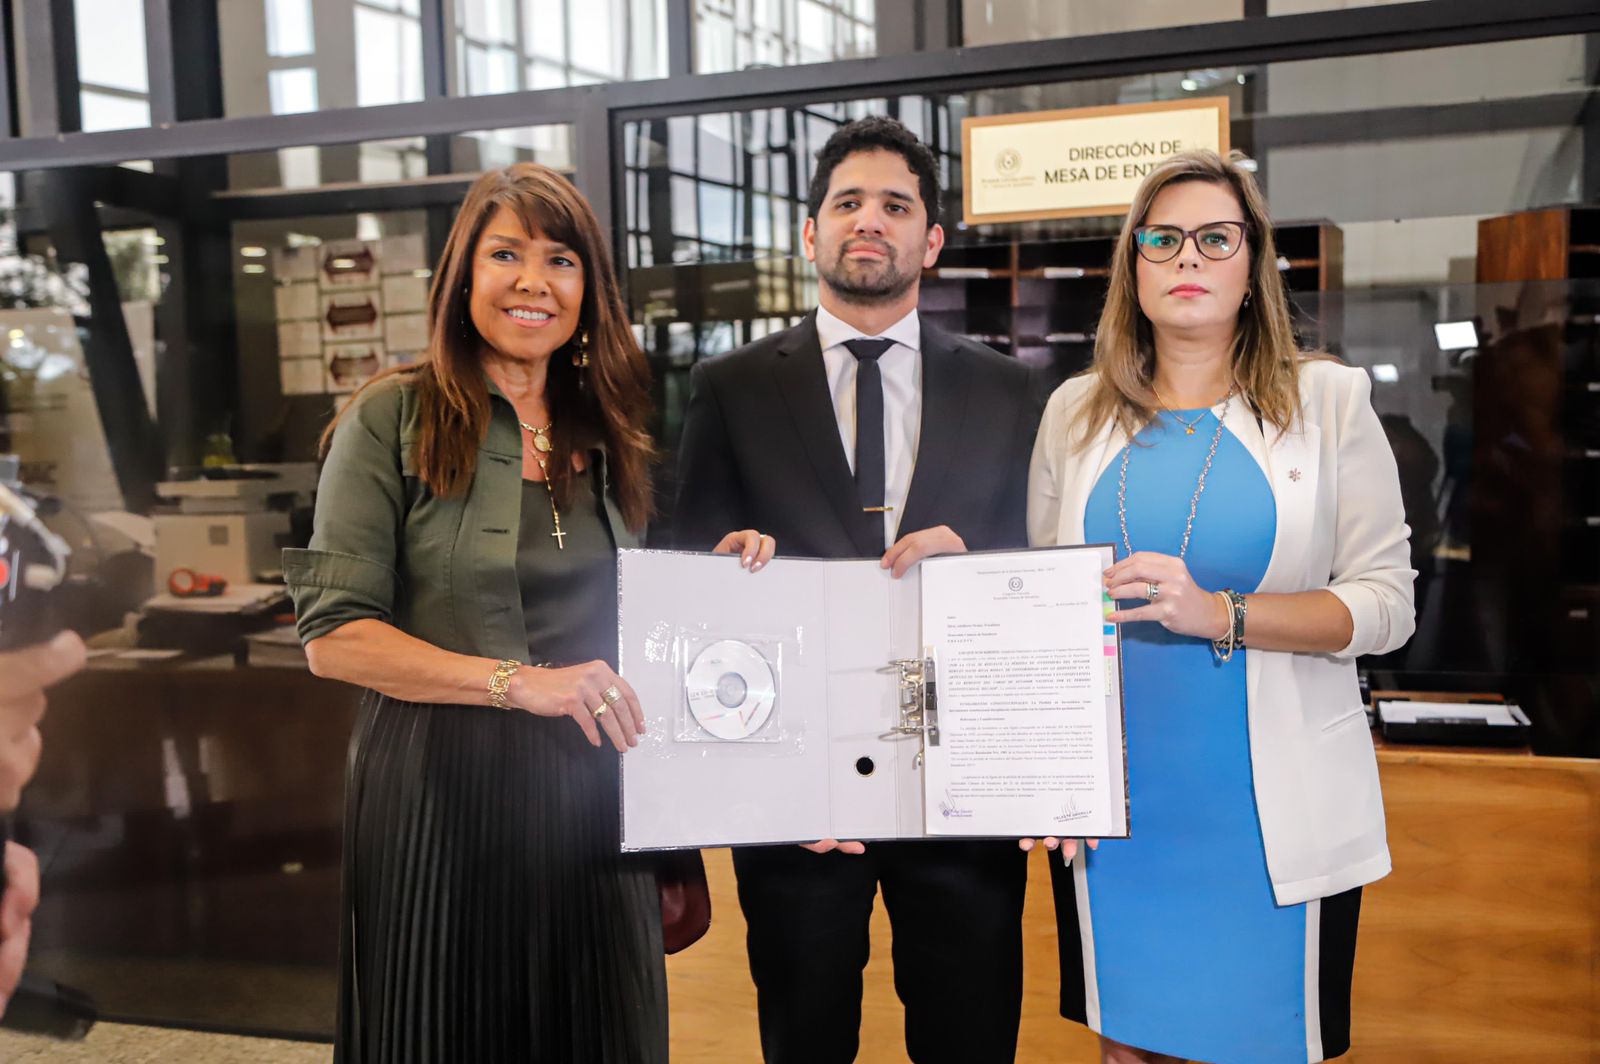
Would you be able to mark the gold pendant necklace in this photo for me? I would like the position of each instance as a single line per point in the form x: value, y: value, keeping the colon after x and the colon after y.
x: 541, y: 441
x: 1188, y: 426
x: 540, y: 446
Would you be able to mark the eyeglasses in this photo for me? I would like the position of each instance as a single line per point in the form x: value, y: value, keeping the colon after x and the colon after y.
x: 1217, y: 241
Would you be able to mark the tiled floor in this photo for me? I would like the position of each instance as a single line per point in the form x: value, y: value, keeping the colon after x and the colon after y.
x: 219, y: 994
x: 114, y: 1043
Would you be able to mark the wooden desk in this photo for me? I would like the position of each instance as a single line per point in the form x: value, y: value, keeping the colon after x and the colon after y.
x: 1482, y: 947
x: 1484, y: 944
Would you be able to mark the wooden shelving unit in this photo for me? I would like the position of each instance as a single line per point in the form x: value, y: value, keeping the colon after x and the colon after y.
x: 1035, y: 300
x: 1041, y: 301
x: 1536, y: 435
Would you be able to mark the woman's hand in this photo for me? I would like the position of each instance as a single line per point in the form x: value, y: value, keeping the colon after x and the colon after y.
x: 754, y: 549
x: 1068, y: 847
x: 1177, y: 603
x: 580, y: 692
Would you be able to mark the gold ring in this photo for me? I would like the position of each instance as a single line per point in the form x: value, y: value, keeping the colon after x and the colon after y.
x: 599, y: 711
x: 611, y: 695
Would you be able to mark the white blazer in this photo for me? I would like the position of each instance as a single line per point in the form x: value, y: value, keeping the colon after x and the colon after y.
x: 1341, y: 526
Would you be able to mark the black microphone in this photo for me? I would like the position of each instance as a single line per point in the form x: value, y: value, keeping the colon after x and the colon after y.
x: 33, y: 561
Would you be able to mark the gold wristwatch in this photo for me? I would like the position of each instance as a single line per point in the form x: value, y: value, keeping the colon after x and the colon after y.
x: 500, y: 682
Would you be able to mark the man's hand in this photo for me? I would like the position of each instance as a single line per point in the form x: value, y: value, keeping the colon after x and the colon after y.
x: 24, y: 674
x: 16, y: 917
x: 828, y: 845
x: 911, y: 549
x: 754, y: 549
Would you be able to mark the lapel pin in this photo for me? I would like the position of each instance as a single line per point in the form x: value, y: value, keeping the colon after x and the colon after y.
x: 1294, y: 475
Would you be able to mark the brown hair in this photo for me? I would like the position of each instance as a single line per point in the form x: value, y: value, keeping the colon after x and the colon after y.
x: 1266, y: 360
x: 605, y: 403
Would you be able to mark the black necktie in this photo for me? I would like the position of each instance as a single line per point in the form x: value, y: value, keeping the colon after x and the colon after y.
x: 869, y: 424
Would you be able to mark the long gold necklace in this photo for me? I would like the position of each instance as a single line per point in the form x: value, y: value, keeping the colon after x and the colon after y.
x: 1199, y: 488
x: 540, y: 446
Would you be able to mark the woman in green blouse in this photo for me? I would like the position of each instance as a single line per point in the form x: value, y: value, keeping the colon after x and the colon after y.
x: 467, y: 524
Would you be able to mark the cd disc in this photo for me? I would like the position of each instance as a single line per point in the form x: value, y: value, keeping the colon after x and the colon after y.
x: 731, y: 689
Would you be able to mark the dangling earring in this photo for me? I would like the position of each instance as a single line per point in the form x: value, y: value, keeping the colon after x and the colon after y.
x: 580, y: 357
x: 466, y: 330
x: 1246, y: 302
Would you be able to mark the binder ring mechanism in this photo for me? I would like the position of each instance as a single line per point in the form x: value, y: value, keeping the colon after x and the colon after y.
x: 917, y: 704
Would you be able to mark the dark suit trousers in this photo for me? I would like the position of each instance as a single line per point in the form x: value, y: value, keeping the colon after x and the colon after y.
x: 955, y: 908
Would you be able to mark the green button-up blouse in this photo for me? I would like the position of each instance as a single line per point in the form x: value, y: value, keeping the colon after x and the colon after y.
x: 385, y: 547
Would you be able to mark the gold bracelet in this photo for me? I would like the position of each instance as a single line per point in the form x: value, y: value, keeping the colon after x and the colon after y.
x: 1224, y: 647
x: 500, y: 682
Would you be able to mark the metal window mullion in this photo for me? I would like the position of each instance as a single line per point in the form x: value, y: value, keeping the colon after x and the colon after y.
x: 160, y: 72
x: 566, y: 48
x: 519, y: 39
x: 1589, y: 181
x: 121, y: 94
x: 593, y: 145
x: 50, y: 43
x: 435, y: 47
x: 680, y: 38
x: 1434, y: 23
x: 8, y: 72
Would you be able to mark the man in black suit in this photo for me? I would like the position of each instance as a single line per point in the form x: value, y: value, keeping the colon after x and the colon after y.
x: 861, y: 427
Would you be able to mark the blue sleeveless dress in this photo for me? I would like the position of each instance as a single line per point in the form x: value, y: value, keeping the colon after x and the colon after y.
x: 1190, y: 955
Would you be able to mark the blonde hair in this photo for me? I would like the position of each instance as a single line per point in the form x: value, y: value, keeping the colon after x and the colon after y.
x: 1266, y: 360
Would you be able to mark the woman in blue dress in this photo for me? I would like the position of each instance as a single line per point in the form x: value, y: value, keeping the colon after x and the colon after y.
x: 1261, y: 543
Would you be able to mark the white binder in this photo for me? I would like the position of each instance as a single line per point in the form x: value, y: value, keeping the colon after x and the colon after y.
x: 856, y: 732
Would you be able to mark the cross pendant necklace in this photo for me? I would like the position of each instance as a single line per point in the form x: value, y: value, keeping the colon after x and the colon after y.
x: 540, y: 446
x: 559, y: 536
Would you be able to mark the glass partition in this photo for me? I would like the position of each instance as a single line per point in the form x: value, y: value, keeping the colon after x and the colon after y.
x: 188, y: 810
x: 1382, y: 172
x: 288, y: 56
x: 512, y: 45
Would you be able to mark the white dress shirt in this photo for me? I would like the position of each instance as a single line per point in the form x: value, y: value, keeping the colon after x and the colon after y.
x: 901, y: 369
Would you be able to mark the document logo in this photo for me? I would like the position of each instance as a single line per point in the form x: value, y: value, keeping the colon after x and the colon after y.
x: 1015, y: 583
x: 1008, y: 162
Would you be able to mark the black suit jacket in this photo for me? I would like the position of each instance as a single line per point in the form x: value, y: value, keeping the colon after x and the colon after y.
x: 761, y: 449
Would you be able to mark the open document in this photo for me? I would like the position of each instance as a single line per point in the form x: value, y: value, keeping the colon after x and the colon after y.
x: 980, y: 695
x: 1029, y: 695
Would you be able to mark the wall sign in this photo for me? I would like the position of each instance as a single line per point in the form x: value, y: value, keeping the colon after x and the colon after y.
x: 1086, y: 161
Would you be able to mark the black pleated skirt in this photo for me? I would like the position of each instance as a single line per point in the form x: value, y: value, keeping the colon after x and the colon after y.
x: 488, y: 912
